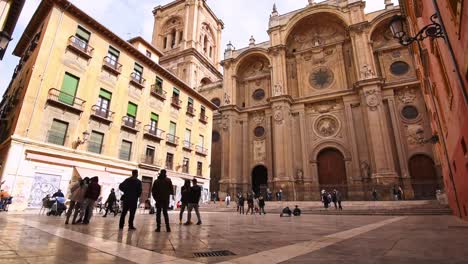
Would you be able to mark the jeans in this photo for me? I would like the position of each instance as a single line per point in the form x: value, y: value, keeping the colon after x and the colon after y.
x: 190, y: 207
x: 162, y: 206
x: 74, y: 205
x: 88, y: 207
x: 182, y: 209
x: 128, y: 206
x: 241, y: 209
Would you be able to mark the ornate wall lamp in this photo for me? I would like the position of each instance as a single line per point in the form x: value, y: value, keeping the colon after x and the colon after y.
x: 80, y: 141
x: 397, y: 26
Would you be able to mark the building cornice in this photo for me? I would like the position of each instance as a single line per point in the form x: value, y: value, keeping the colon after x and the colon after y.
x: 195, y: 53
x: 149, y: 45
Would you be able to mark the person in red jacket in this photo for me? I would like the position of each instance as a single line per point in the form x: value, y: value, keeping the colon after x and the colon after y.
x: 92, y: 194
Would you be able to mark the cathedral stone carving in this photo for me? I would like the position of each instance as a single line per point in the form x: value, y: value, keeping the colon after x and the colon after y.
x: 407, y: 95
x: 321, y: 77
x: 367, y: 72
x: 327, y: 126
x: 372, y: 99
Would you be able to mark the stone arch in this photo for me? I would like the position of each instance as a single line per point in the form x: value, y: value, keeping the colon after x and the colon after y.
x: 259, y: 178
x: 208, y: 40
x: 250, y: 52
x: 172, y: 32
x: 205, y: 81
x: 382, y: 18
x: 332, y: 174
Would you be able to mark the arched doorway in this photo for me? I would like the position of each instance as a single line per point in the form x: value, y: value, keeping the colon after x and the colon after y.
x: 259, y: 179
x: 423, y: 177
x: 332, y: 171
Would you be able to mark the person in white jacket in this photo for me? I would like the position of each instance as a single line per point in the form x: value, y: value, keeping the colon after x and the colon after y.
x: 78, y: 191
x: 227, y: 200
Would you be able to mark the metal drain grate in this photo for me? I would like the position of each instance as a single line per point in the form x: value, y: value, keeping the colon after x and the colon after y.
x: 218, y: 253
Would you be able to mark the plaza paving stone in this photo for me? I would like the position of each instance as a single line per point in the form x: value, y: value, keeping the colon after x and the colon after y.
x: 254, y: 239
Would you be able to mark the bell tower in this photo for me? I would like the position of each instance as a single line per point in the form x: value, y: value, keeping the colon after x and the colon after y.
x: 189, y: 34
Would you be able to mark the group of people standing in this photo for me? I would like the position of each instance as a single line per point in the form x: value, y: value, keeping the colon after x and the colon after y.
x: 331, y: 197
x: 255, y: 203
x: 82, y: 200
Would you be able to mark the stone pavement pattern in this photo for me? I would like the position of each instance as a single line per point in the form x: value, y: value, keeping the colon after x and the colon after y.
x: 254, y: 239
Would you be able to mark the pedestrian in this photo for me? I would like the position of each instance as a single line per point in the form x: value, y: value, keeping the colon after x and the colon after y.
x: 184, y: 200
x: 110, y: 203
x: 92, y: 194
x: 250, y: 204
x: 400, y: 193
x: 59, y: 193
x: 280, y: 194
x: 374, y: 194
x: 215, y: 197
x: 333, y: 195
x: 162, y: 191
x: 131, y: 187
x: 241, y: 204
x: 256, y: 204
x: 261, y: 204
x: 395, y: 193
x: 338, y: 199
x: 286, y: 212
x: 237, y: 201
x: 78, y: 191
x: 195, y: 194
x: 227, y: 200
x: 325, y: 199
x: 297, y: 211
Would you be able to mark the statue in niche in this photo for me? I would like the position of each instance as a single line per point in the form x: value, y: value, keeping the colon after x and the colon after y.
x: 365, y: 170
x: 300, y: 175
x: 367, y: 72
x: 278, y: 89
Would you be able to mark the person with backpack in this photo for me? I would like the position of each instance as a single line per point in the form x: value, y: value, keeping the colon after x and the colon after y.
x: 195, y: 195
x: 132, y: 189
x: 184, y: 200
x: 162, y: 191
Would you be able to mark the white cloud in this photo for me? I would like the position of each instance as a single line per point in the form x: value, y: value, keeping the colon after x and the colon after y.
x: 129, y: 18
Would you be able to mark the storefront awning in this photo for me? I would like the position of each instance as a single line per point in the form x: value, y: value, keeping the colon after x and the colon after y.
x: 85, y: 172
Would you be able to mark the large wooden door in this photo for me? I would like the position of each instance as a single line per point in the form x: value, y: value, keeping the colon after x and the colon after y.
x: 423, y: 177
x: 332, y: 171
x: 259, y: 179
x: 146, y: 183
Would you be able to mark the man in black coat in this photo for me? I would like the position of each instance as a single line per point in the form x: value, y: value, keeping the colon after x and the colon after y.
x: 195, y: 195
x: 132, y: 189
x: 110, y: 203
x: 162, y: 190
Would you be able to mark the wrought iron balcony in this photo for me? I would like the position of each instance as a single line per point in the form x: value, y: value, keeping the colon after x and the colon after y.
x: 154, y: 133
x: 203, y: 118
x: 102, y: 114
x: 65, y: 101
x: 176, y: 103
x: 187, y: 145
x: 80, y: 47
x: 131, y: 124
x: 201, y: 151
x: 158, y: 92
x: 137, y: 80
x: 190, y: 110
x: 112, y: 65
x: 172, y: 140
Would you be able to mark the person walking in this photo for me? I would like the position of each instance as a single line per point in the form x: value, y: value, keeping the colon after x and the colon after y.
x: 195, y: 194
x: 256, y: 204
x: 261, y: 204
x: 78, y: 191
x: 395, y: 193
x: 184, y: 200
x: 333, y: 195
x: 227, y: 200
x: 162, y: 190
x: 280, y: 194
x: 338, y: 198
x: 374, y: 194
x: 92, y: 194
x: 110, y: 203
x: 400, y: 193
x: 132, y: 189
x: 250, y: 204
x: 241, y: 204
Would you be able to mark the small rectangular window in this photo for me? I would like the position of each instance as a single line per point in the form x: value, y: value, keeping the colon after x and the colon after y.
x: 69, y: 87
x: 95, y: 142
x: 138, y: 69
x: 132, y: 109
x: 159, y: 83
x: 175, y: 92
x: 190, y: 101
x: 201, y: 140
x: 58, y: 132
x: 172, y: 128
x: 199, y: 168
x: 113, y: 56
x: 125, y: 152
x: 83, y: 34
x: 188, y: 135
x: 169, y: 161
x: 185, y: 165
x: 154, y: 121
x: 149, y: 155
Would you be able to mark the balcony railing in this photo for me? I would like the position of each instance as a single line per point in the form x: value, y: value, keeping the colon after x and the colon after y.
x: 56, y: 137
x: 201, y: 151
x: 81, y: 47
x: 65, y: 100
x: 175, y: 102
x: 187, y: 145
x: 130, y: 123
x: 203, y: 118
x: 158, y: 92
x: 172, y: 139
x: 102, y: 114
x: 112, y: 65
x: 137, y: 80
x: 148, y: 160
x: 153, y: 132
x: 190, y: 110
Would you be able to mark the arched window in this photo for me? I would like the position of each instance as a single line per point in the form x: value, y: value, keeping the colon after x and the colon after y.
x: 165, y: 43
x: 173, y: 34
x: 205, y: 44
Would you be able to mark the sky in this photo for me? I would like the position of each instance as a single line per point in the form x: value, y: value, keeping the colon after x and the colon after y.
x: 242, y: 19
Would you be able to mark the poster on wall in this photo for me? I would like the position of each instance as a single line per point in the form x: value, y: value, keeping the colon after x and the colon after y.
x: 21, y: 192
x: 43, y: 184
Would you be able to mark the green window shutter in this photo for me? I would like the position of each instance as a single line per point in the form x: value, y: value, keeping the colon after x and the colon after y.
x: 190, y: 101
x: 114, y: 52
x: 105, y: 94
x: 58, y: 132
x: 154, y: 117
x: 138, y: 68
x: 95, y: 142
x: 83, y: 34
x: 125, y: 150
x: 176, y: 91
x: 172, y: 128
x: 69, y: 87
x: 132, y: 109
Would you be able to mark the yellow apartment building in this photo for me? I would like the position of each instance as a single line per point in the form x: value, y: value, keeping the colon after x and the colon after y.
x: 83, y: 102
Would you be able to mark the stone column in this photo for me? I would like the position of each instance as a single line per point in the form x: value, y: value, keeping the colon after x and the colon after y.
x: 278, y: 76
x: 246, y: 147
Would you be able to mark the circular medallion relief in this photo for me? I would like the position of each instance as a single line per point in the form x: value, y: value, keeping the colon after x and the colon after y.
x: 321, y: 78
x: 215, y: 136
x: 258, y: 94
x: 216, y: 101
x: 259, y: 131
x: 327, y: 126
x: 410, y: 112
x: 399, y: 68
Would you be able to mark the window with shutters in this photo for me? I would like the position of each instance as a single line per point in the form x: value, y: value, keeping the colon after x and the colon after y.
x: 137, y: 74
x: 159, y: 84
x: 95, y: 142
x: 113, y: 56
x: 169, y: 161
x: 154, y: 121
x: 185, y: 165
x: 125, y: 152
x: 103, y: 103
x: 81, y: 39
x: 199, y: 168
x: 58, y: 132
x: 69, y: 88
x: 130, y: 119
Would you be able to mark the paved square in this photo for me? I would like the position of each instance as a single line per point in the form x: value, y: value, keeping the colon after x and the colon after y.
x: 253, y: 239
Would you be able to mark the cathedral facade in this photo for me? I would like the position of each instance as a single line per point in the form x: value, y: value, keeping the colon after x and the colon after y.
x: 330, y: 101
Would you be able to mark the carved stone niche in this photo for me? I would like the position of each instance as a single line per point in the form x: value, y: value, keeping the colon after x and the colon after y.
x: 407, y: 95
x: 324, y: 107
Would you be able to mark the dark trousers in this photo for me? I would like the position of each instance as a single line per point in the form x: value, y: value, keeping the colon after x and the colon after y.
x: 110, y: 208
x: 162, y: 206
x: 128, y: 206
x: 339, y: 205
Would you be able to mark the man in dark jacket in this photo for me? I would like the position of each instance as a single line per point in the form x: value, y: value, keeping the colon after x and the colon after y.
x: 110, y: 203
x: 92, y: 194
x: 195, y: 195
x: 162, y: 190
x: 131, y: 188
x: 59, y: 193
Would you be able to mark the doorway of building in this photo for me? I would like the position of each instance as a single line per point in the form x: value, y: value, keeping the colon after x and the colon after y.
x: 146, y: 183
x: 423, y: 177
x: 259, y: 179
x: 332, y: 171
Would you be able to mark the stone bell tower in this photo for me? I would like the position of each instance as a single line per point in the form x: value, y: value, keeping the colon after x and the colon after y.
x: 189, y: 34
